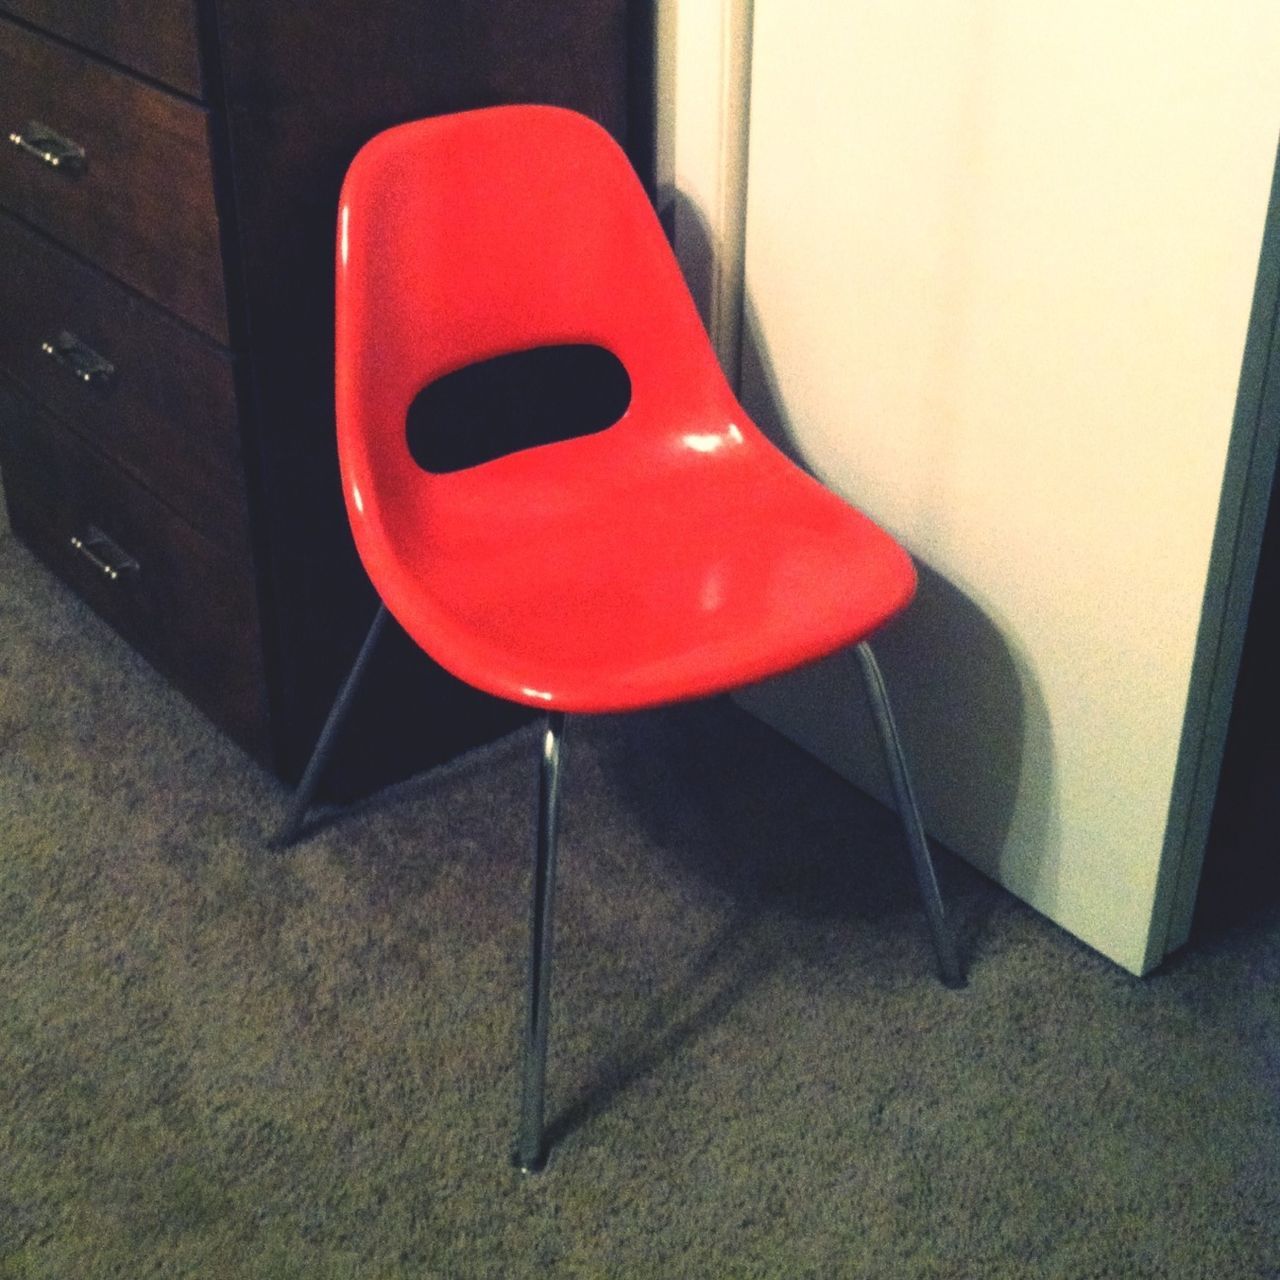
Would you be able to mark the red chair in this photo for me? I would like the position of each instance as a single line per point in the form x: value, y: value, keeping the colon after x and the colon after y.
x: 672, y: 555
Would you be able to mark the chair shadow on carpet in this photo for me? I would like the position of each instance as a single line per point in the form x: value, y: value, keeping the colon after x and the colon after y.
x: 725, y: 971
x: 788, y: 859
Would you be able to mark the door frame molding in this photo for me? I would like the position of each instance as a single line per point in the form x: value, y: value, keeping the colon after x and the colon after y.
x: 703, y: 88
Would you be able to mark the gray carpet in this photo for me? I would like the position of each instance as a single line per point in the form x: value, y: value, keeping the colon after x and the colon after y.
x: 217, y: 1061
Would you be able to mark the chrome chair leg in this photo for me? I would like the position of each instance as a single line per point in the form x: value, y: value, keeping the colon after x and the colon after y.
x: 895, y: 760
x: 530, y: 1153
x: 319, y: 761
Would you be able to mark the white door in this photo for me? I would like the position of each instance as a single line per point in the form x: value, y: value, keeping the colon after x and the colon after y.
x: 1000, y: 259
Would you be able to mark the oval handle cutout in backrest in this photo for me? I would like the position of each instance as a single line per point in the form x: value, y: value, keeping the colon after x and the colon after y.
x: 517, y: 401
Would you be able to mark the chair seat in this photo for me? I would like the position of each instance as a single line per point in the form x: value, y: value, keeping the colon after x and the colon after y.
x: 576, y: 577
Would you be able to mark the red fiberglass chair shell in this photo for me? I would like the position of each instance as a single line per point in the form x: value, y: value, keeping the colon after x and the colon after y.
x: 672, y: 555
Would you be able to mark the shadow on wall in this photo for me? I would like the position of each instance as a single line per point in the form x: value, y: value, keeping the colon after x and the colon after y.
x: 969, y: 707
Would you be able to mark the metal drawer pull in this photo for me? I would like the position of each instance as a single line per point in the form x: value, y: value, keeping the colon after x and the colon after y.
x: 50, y: 148
x: 105, y: 555
x: 83, y: 361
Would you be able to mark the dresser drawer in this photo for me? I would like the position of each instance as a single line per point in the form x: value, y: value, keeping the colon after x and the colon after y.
x: 154, y: 37
x: 140, y: 201
x: 187, y: 605
x: 149, y: 392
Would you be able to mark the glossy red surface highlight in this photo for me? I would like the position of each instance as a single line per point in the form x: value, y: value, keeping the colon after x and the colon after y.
x: 677, y: 553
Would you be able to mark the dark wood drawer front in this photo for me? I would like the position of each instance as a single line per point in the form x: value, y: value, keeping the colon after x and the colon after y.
x: 163, y: 403
x: 141, y: 203
x: 157, y: 39
x: 188, y: 606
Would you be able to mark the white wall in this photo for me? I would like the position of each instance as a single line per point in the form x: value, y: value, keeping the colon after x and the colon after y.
x: 1000, y: 258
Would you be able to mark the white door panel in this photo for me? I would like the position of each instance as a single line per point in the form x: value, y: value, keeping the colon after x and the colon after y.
x: 1000, y: 259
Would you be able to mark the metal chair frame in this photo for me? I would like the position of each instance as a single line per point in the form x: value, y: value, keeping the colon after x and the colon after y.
x: 531, y: 1151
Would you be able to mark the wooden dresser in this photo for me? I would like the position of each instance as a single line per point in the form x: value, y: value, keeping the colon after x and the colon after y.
x: 167, y: 200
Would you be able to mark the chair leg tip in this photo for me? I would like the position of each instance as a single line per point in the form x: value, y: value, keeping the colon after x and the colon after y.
x: 529, y: 1165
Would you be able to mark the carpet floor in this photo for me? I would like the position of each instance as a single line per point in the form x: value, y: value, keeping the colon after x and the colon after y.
x: 221, y: 1061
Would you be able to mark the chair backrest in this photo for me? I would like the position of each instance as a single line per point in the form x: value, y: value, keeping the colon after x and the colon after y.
x: 469, y: 236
